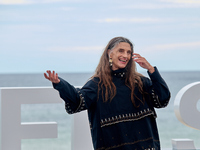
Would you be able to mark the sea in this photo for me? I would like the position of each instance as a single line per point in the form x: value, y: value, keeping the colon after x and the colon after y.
x: 168, y: 125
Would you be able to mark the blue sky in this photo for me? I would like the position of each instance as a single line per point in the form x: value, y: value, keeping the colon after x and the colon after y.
x: 69, y: 35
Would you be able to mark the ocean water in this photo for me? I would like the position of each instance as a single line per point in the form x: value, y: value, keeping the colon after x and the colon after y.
x: 168, y: 125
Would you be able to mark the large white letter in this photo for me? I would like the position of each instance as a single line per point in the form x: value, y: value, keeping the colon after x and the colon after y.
x: 11, y: 128
x: 185, y: 105
x: 81, y: 135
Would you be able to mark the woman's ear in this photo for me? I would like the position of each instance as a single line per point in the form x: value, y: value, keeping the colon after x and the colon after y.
x: 109, y: 53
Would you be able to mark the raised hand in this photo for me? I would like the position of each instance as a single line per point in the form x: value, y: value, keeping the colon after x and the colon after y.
x: 52, y: 76
x: 143, y: 62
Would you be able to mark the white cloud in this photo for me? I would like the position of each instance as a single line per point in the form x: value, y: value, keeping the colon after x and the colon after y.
x: 27, y: 28
x: 148, y: 6
x: 163, y: 4
x: 130, y: 20
x: 67, y: 8
x: 21, y: 2
x: 10, y: 2
x: 184, y: 3
x: 173, y: 46
x: 77, y: 49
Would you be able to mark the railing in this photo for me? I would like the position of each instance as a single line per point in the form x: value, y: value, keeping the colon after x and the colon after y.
x: 13, y: 130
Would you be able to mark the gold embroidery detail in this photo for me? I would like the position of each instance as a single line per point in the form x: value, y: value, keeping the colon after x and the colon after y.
x: 130, y: 143
x: 126, y: 117
x: 79, y: 108
x: 82, y: 103
x: 157, y: 101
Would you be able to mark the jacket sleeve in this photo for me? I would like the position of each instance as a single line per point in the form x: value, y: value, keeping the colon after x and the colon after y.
x: 76, y: 99
x: 157, y: 89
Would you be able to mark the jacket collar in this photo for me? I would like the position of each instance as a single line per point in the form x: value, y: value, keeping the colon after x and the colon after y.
x: 119, y: 73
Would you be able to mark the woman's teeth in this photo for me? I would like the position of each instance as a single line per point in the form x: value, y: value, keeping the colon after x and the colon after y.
x: 123, y: 60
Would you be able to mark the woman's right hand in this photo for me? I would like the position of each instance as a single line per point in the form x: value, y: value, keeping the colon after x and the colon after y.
x: 52, y: 76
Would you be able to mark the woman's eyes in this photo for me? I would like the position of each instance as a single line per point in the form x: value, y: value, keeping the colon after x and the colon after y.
x: 122, y: 51
x: 129, y: 52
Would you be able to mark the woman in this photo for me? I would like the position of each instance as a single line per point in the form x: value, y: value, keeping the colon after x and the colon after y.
x: 119, y: 100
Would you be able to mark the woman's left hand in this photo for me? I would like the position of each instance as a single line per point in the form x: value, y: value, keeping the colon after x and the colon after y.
x: 143, y: 62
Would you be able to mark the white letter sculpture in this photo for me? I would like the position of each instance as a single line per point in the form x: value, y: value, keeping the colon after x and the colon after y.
x: 11, y: 128
x: 185, y: 107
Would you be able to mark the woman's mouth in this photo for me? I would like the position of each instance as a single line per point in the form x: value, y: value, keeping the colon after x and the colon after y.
x: 124, y: 61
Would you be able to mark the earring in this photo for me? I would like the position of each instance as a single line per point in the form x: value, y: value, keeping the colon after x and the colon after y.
x: 110, y: 62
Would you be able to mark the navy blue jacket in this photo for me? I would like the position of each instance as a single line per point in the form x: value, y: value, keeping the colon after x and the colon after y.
x: 118, y: 124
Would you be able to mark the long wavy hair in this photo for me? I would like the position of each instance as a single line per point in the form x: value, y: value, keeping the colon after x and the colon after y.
x: 104, y: 73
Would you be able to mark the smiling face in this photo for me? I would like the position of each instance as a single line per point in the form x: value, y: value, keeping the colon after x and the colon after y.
x: 120, y: 54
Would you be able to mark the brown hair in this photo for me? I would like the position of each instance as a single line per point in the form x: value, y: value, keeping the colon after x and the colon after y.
x: 103, y: 72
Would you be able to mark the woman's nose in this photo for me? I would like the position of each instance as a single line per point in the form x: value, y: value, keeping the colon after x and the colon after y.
x: 125, y: 54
